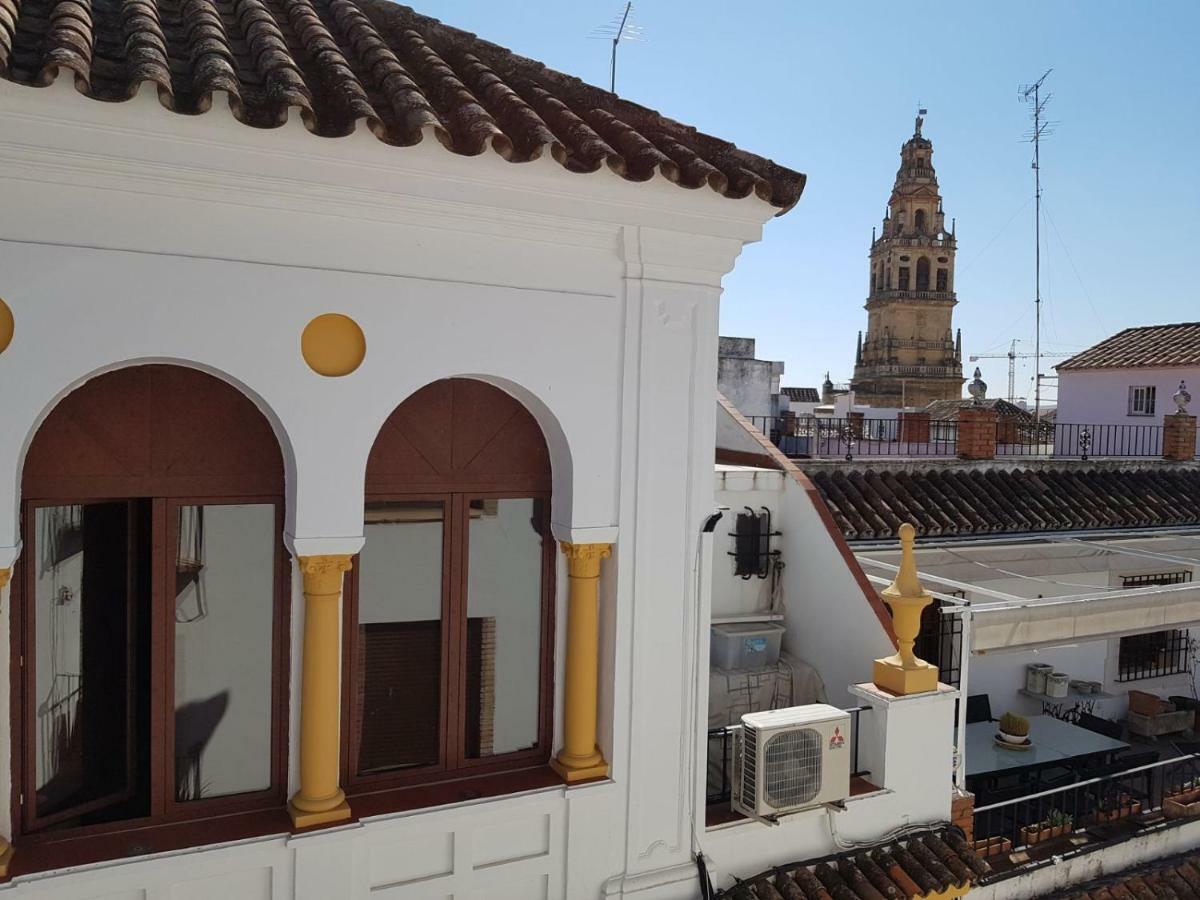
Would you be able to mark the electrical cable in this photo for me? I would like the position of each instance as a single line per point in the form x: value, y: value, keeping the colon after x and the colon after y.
x: 895, y: 834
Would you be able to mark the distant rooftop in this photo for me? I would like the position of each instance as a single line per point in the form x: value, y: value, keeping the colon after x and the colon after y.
x: 943, y: 410
x: 954, y: 499
x: 802, y: 394
x: 1158, y: 346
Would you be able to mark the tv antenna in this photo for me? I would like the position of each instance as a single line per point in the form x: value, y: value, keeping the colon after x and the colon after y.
x: 1032, y: 95
x: 621, y: 28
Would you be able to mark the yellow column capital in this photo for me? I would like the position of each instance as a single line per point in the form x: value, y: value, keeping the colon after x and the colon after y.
x: 5, y: 575
x: 323, y: 574
x: 903, y: 673
x: 583, y: 560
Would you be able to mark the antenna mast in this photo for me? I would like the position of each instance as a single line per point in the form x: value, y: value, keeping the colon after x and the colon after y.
x: 619, y: 29
x: 1031, y: 94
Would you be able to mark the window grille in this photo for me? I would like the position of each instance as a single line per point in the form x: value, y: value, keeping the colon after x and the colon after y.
x: 1141, y: 400
x: 1159, y: 653
x: 940, y: 640
x: 752, y: 542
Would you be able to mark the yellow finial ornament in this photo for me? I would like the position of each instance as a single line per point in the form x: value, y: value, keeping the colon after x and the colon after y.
x: 903, y: 673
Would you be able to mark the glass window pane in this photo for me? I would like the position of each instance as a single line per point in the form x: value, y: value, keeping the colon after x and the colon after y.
x: 400, y: 636
x: 504, y: 625
x: 224, y: 623
x: 92, y: 656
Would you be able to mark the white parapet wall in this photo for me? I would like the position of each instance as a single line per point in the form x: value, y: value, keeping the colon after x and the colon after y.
x: 906, y: 742
x: 1061, y: 874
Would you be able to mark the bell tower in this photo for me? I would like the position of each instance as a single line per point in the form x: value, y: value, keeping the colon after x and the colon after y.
x: 910, y: 353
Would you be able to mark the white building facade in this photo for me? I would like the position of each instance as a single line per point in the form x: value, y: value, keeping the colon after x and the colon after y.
x: 336, y: 325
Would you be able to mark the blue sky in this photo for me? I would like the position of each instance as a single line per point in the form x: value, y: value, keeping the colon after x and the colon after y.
x: 832, y: 89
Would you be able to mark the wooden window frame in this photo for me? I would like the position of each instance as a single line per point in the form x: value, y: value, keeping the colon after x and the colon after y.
x: 164, y: 809
x: 453, y: 765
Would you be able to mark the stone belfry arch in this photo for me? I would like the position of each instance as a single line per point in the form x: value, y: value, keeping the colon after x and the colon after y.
x: 910, y: 354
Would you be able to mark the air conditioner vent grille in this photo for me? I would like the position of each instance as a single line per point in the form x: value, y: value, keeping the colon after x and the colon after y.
x: 792, y: 760
x: 749, y: 763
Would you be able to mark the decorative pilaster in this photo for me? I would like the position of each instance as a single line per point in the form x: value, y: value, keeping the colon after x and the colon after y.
x: 903, y: 673
x: 320, y: 799
x: 6, y: 849
x: 580, y: 757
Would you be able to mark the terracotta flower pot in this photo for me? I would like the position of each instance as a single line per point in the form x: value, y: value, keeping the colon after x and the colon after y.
x: 1043, y: 831
x: 992, y: 846
x: 1182, y: 805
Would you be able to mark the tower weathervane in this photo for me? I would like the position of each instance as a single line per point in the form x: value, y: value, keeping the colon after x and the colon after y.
x: 922, y: 112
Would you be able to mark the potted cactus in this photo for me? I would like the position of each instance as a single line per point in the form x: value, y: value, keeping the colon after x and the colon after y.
x: 1014, y: 729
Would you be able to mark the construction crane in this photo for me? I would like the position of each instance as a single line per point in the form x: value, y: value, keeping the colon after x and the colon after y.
x: 1012, y: 356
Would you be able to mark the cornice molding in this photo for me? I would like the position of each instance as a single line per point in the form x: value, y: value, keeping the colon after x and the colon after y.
x: 228, y: 162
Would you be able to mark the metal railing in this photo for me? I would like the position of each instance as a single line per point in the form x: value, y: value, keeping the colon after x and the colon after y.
x: 720, y: 764
x: 850, y: 437
x: 1075, y: 441
x: 1105, y: 801
x: 828, y: 437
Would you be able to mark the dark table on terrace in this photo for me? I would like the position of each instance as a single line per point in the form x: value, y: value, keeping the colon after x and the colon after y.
x: 1055, y: 743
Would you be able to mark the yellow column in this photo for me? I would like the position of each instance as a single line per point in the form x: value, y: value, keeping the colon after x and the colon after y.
x: 6, y: 849
x: 320, y: 799
x: 580, y: 757
x: 903, y: 673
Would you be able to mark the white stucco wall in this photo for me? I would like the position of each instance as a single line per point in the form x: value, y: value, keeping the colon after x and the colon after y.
x: 830, y: 623
x: 738, y: 487
x: 130, y: 235
x: 1101, y: 396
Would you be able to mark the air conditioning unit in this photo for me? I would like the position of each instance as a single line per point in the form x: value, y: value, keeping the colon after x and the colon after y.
x: 791, y: 759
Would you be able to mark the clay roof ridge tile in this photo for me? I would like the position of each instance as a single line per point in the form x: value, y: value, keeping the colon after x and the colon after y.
x: 384, y: 72
x: 850, y: 872
x: 338, y: 80
x: 69, y: 41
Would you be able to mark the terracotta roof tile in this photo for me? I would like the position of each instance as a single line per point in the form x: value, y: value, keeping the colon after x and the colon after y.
x: 1150, y: 345
x: 868, y: 502
x: 802, y: 394
x: 338, y: 63
x: 924, y: 863
x: 947, y: 410
x: 1163, y: 879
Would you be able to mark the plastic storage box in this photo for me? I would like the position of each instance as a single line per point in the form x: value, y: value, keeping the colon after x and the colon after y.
x: 745, y: 645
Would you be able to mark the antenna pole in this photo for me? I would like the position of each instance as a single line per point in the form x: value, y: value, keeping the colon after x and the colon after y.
x: 617, y: 40
x: 1034, y: 92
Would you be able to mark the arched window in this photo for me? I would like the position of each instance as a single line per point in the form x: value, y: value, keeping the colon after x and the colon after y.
x: 942, y: 279
x: 919, y: 221
x: 450, y: 608
x: 923, y: 274
x: 153, y: 606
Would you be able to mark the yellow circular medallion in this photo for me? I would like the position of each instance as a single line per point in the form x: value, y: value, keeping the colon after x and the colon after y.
x: 333, y: 345
x: 6, y: 326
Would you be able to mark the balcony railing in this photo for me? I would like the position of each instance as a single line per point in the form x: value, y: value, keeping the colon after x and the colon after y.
x: 1083, y: 441
x: 905, y: 294
x: 912, y: 371
x: 1091, y: 809
x: 831, y: 437
x: 827, y: 437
